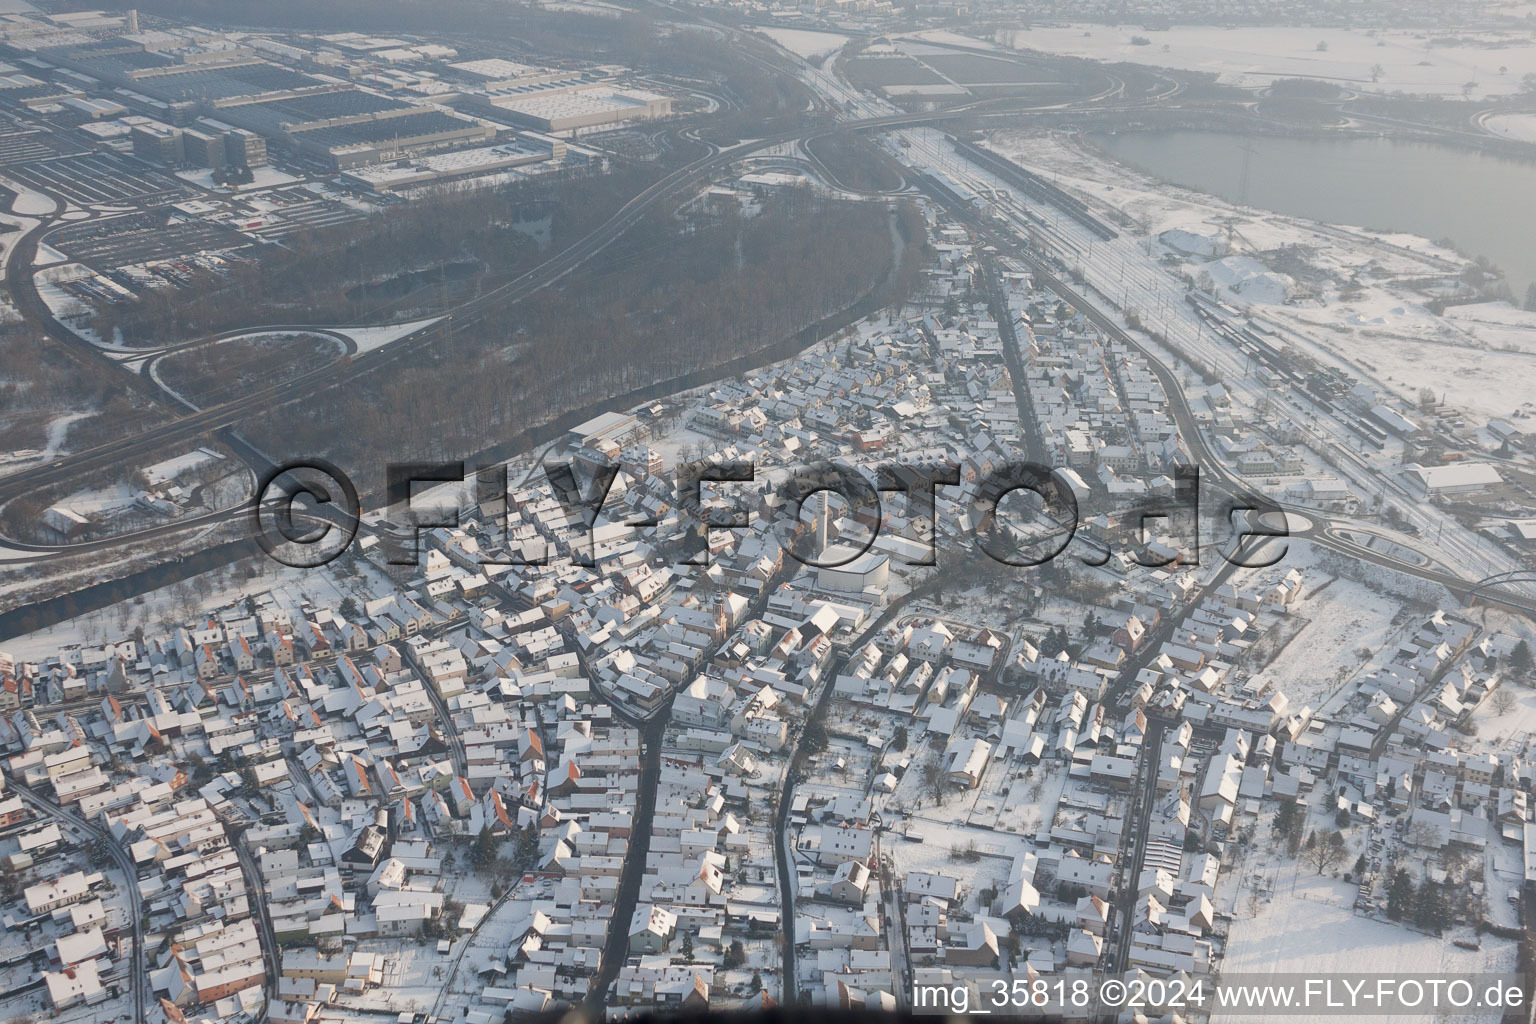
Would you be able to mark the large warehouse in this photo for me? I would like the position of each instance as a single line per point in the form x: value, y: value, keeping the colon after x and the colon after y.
x: 441, y: 168
x: 1456, y: 478
x: 619, y: 427
x: 568, y: 108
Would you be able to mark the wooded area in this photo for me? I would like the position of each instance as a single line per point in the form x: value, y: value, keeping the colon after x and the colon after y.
x: 40, y: 382
x: 315, y: 277
x: 675, y: 299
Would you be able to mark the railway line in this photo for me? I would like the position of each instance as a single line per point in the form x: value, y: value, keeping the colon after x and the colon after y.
x: 228, y: 415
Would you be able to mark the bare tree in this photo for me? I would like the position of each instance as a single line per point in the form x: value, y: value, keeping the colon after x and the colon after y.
x: 1326, y: 852
x: 1503, y: 701
x: 935, y: 779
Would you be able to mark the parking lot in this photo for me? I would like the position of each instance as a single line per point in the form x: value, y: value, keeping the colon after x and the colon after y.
x: 97, y: 178
x: 21, y: 146
x: 141, y: 238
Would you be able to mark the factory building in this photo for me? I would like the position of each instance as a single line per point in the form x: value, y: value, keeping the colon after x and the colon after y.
x: 241, y: 148
x: 621, y: 428
x: 1456, y: 478
x: 496, y: 74
x: 570, y: 108
x: 445, y: 168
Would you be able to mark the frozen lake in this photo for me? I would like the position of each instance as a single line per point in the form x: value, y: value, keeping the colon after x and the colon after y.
x: 1480, y: 202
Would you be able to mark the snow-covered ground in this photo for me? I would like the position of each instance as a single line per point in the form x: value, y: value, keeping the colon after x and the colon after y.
x: 1497, y: 325
x: 806, y: 43
x: 30, y: 203
x: 58, y: 432
x: 1307, y: 926
x: 290, y: 588
x: 944, y: 35
x: 1381, y: 330
x: 1520, y: 127
x: 47, y: 256
x: 1509, y: 731
x: 1341, y: 617
x: 262, y: 177
x: 1410, y: 62
x: 1406, y: 348
x: 1248, y: 280
x: 369, y: 338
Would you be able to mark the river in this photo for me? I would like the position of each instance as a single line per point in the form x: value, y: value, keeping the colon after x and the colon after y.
x: 1482, y: 203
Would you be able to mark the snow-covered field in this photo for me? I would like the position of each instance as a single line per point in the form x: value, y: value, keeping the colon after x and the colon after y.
x: 1496, y: 325
x: 1510, y: 731
x: 1410, y: 62
x: 1342, y: 617
x: 1307, y: 926
x: 1487, y: 383
x: 804, y: 42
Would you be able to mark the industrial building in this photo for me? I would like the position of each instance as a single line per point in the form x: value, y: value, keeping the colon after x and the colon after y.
x: 1394, y: 421
x: 570, y: 108
x: 158, y: 143
x: 444, y: 168
x: 220, y: 102
x: 388, y: 138
x: 496, y: 74
x: 1456, y: 478
x: 205, y: 144
x: 619, y: 427
x: 201, y: 149
x: 241, y: 148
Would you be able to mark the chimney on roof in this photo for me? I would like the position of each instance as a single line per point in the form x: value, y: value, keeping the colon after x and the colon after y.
x: 823, y: 524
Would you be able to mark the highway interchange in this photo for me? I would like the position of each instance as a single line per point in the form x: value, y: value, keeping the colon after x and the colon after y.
x: 849, y: 109
x: 218, y: 420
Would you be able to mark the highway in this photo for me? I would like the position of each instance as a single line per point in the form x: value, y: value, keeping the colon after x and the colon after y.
x: 197, y: 424
x: 1118, y: 268
x: 1325, y: 531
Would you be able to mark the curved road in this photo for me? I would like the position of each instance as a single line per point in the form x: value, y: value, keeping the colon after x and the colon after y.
x: 137, y: 970
x: 228, y: 414
x: 1324, y: 532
